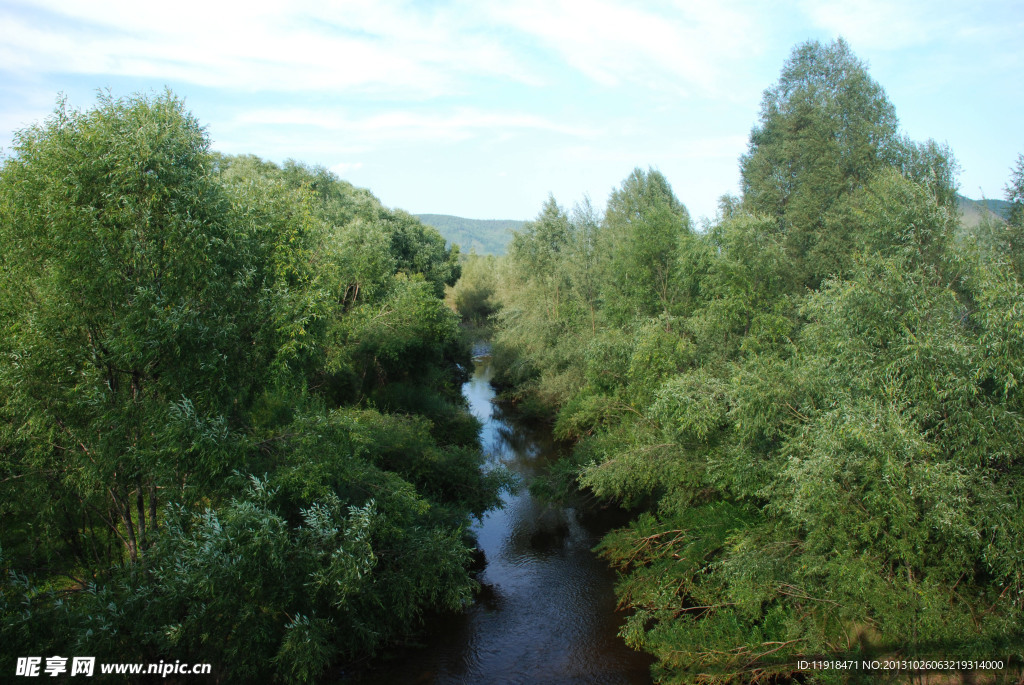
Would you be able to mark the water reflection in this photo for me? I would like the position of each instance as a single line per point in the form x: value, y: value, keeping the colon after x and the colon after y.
x: 546, y: 612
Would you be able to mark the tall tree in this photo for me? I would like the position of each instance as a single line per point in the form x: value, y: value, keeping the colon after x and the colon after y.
x: 1012, y: 240
x: 825, y: 128
x: 643, y: 227
x: 121, y: 262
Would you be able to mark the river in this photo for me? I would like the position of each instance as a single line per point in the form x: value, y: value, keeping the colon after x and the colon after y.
x: 546, y: 612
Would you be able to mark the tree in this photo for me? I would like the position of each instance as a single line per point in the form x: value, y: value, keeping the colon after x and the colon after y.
x: 643, y: 227
x: 533, y: 292
x: 825, y: 128
x: 121, y: 268
x: 583, y: 263
x: 473, y: 294
x: 1011, y: 242
x: 816, y: 413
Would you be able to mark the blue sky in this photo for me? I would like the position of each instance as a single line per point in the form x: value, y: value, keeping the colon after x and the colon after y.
x: 481, y: 108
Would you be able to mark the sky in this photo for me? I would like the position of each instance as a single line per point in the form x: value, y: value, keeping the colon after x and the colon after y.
x: 482, y: 109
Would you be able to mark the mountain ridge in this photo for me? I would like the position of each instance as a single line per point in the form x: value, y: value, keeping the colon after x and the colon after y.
x: 483, y: 236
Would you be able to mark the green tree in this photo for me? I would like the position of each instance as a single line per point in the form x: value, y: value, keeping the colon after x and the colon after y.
x: 122, y: 274
x: 533, y: 297
x: 473, y: 296
x: 825, y: 128
x: 1011, y: 239
x: 583, y: 263
x: 643, y: 227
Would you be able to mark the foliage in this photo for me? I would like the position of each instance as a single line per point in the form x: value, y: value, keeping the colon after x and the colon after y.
x: 473, y: 295
x: 813, y: 406
x: 124, y: 288
x: 172, y: 320
x: 824, y: 129
x: 1009, y: 242
x: 644, y: 224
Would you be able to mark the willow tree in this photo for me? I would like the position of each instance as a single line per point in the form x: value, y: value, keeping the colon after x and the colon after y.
x: 824, y: 129
x: 1011, y: 240
x: 120, y: 267
x: 643, y: 227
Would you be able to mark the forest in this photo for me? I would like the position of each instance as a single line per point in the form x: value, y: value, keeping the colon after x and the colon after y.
x: 231, y: 428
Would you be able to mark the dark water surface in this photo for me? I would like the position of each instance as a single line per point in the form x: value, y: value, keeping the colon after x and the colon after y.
x: 547, y: 611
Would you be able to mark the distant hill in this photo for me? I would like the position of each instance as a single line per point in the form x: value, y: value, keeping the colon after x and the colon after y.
x: 492, y: 236
x: 485, y: 236
x: 974, y: 210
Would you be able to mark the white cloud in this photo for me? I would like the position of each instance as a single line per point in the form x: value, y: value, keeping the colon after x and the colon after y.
x: 389, y: 47
x: 728, y: 147
x: 385, y: 47
x: 552, y: 92
x: 686, y: 44
x: 879, y: 24
x: 403, y: 125
x: 885, y: 25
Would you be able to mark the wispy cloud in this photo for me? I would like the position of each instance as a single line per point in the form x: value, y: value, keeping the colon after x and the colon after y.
x: 889, y: 26
x: 680, y: 45
x: 385, y: 47
x: 403, y: 125
x: 435, y: 98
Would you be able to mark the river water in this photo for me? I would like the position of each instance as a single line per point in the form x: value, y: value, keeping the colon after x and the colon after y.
x: 546, y: 613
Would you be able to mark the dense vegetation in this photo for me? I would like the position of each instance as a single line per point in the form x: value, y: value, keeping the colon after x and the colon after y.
x: 473, y: 296
x: 231, y: 426
x: 813, y: 403
x: 483, y: 236
x: 231, y: 429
